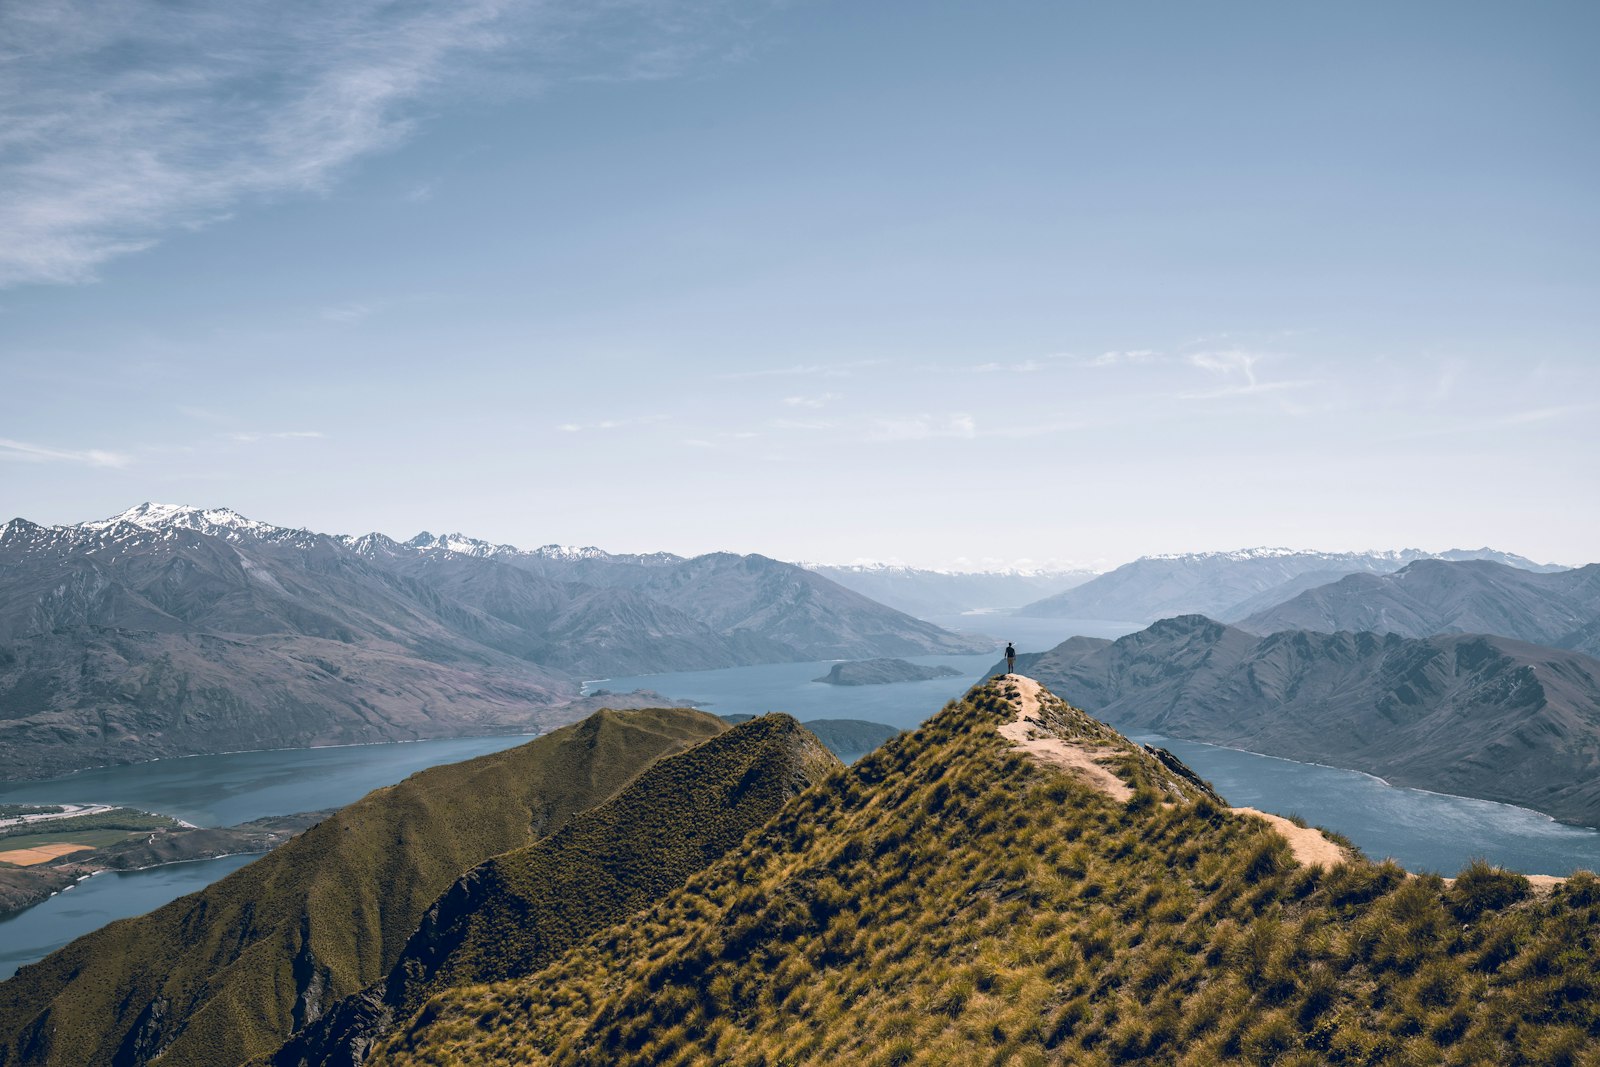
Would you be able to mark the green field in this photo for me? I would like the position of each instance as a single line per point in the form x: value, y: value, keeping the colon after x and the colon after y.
x: 82, y: 828
x: 92, y: 838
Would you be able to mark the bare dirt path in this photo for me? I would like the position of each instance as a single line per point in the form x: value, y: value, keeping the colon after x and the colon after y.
x: 1310, y: 848
x: 1026, y: 734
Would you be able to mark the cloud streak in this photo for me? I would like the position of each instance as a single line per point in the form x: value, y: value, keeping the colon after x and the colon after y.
x: 123, y: 120
x: 1238, y: 368
x: 250, y: 437
x: 925, y: 427
x: 25, y: 452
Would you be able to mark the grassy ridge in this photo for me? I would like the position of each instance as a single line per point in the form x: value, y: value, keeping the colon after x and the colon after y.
x: 517, y: 912
x: 230, y: 972
x: 947, y: 901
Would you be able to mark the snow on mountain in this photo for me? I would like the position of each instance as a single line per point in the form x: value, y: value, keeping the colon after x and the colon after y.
x: 214, y: 522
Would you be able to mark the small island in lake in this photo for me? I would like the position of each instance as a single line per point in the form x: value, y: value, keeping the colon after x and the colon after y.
x: 883, y: 672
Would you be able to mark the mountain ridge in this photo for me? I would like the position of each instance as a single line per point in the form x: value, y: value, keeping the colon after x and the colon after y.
x: 1469, y: 714
x: 1427, y: 597
x: 1220, y: 584
x: 170, y: 630
x: 224, y: 973
x: 950, y: 898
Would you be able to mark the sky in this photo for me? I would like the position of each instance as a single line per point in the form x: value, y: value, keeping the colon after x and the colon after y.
x: 949, y: 284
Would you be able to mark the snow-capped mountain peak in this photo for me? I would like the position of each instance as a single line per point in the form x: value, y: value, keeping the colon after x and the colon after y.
x: 570, y: 552
x: 460, y: 544
x: 215, y: 522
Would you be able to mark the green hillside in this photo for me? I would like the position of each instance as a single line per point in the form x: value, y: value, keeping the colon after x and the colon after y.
x: 230, y: 972
x: 516, y: 912
x: 950, y: 900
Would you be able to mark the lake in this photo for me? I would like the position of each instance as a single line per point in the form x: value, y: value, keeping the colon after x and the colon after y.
x: 208, y: 791
x: 235, y: 787
x: 1422, y: 830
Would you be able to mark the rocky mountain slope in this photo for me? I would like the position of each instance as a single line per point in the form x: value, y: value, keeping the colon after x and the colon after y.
x: 230, y: 972
x: 168, y: 630
x: 952, y: 899
x: 1560, y: 609
x: 1228, y: 585
x: 1468, y: 714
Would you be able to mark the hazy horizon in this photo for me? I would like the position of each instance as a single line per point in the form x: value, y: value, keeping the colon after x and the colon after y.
x: 960, y: 564
x: 1002, y: 284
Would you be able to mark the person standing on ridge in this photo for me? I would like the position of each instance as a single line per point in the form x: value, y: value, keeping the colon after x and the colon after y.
x: 1011, y: 658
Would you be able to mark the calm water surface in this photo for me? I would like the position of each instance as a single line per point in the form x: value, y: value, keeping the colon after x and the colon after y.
x: 239, y: 786
x: 207, y: 791
x: 34, y: 934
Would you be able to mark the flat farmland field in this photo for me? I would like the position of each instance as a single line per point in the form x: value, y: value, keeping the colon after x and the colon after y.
x: 27, y: 857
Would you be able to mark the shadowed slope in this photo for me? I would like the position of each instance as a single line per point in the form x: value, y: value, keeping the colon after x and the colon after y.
x: 517, y: 912
x: 231, y: 971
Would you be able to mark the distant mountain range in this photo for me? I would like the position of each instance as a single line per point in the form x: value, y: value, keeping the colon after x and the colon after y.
x: 1560, y: 609
x: 168, y: 630
x: 1470, y: 714
x: 1231, y: 585
x: 930, y: 593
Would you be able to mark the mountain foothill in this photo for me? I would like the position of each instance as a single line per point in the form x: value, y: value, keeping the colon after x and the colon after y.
x: 1013, y: 881
x: 169, y: 630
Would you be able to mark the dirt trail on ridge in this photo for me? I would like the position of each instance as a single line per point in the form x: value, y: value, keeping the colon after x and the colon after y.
x: 1027, y: 734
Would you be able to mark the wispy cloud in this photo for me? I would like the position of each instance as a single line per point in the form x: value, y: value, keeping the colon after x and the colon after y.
x: 821, y: 401
x: 122, y: 120
x: 796, y: 370
x: 1238, y: 369
x: 1116, y: 358
x: 611, y: 424
x: 1026, y: 366
x: 801, y: 424
x: 24, y: 452
x: 249, y: 437
x: 1487, y: 421
x: 924, y: 427
x: 347, y: 313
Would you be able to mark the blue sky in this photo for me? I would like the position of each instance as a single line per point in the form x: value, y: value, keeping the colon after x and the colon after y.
x: 936, y: 282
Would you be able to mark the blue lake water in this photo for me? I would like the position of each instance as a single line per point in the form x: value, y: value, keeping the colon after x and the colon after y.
x: 207, y: 791
x: 1422, y: 830
x: 32, y: 935
x: 236, y: 787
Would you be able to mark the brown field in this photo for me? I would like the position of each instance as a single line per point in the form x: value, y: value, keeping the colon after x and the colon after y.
x: 27, y: 857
